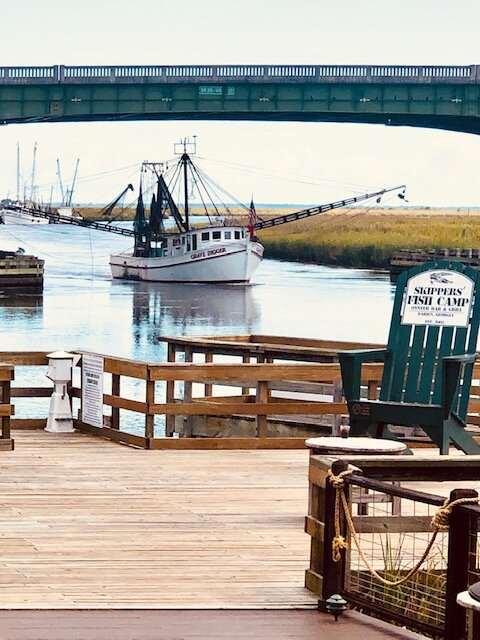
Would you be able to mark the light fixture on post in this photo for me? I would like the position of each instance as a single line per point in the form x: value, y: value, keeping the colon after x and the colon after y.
x: 336, y: 605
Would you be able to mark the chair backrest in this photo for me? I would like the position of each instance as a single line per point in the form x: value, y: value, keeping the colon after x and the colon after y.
x: 436, y: 313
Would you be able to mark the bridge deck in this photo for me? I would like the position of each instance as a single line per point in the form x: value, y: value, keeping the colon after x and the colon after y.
x: 85, y: 524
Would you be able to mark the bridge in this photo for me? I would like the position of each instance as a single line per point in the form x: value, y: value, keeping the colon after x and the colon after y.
x: 443, y: 97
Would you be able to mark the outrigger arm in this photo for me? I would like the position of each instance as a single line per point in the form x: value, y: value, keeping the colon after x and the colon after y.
x: 323, y: 208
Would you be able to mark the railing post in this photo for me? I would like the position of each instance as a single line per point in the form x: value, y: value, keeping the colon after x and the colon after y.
x: 6, y: 397
x: 337, y: 396
x: 208, y: 359
x: 170, y: 392
x: 462, y: 548
x: 150, y: 400
x: 115, y: 422
x: 245, y: 390
x: 261, y: 430
x: 333, y: 573
x: 187, y: 396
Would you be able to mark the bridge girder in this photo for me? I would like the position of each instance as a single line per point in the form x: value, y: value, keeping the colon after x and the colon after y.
x: 451, y: 103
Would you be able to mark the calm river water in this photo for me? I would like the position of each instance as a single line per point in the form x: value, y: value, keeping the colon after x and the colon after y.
x: 83, y: 308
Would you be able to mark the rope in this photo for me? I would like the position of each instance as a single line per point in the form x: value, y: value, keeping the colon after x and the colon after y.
x: 440, y: 522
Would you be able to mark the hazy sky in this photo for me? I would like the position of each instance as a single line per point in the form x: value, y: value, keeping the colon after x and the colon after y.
x: 281, y: 162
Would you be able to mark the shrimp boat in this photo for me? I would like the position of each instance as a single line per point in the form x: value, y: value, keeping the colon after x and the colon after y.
x: 18, y: 214
x: 216, y: 253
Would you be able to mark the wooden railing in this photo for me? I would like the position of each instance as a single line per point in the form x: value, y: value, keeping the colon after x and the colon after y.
x: 267, y: 394
x: 393, y: 544
x: 210, y: 389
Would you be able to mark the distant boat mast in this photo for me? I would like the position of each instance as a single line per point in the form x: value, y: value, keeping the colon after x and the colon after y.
x: 18, y: 172
x: 72, y: 189
x: 67, y: 194
x: 32, y: 186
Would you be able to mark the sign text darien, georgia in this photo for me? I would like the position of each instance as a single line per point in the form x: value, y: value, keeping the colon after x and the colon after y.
x: 439, y: 298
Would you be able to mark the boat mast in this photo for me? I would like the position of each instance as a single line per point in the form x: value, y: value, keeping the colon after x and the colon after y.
x: 70, y: 193
x: 185, y: 186
x: 59, y: 174
x: 18, y: 172
x: 32, y: 186
x: 185, y: 161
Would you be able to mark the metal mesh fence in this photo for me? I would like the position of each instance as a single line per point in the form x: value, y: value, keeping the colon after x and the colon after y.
x: 393, y: 545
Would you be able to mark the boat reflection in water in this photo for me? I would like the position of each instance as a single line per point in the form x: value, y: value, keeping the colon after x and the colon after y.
x: 191, y: 309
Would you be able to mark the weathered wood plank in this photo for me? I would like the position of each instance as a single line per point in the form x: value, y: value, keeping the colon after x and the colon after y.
x: 271, y: 408
x: 112, y: 434
x: 122, y: 366
x: 393, y: 524
x: 6, y: 372
x: 314, y: 528
x: 29, y: 423
x: 7, y: 410
x: 227, y: 443
x: 31, y: 392
x: 23, y: 358
x: 255, y: 372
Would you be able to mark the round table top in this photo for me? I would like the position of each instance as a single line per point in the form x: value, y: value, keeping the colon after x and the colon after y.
x: 464, y: 599
x: 334, y: 444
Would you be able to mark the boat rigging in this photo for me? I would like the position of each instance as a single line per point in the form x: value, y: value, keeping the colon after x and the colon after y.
x: 227, y: 250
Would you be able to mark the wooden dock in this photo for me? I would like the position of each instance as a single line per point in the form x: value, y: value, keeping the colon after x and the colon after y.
x: 86, y: 523
x: 20, y: 270
x: 408, y: 258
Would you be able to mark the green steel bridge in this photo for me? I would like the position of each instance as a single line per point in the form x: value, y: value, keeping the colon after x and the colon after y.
x: 443, y: 97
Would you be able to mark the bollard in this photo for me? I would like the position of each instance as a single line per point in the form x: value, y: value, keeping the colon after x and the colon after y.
x: 60, y: 365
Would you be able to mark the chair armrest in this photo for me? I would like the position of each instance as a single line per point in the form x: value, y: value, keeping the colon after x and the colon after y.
x: 451, y: 370
x: 351, y: 368
x: 464, y: 358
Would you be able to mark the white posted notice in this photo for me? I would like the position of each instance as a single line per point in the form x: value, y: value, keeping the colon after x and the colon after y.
x: 92, y: 390
x: 438, y: 298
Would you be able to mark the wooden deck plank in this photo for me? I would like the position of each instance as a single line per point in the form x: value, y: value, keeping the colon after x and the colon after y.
x: 194, y: 625
x: 86, y: 523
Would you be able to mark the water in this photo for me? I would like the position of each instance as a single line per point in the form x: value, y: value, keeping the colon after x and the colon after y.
x: 83, y: 308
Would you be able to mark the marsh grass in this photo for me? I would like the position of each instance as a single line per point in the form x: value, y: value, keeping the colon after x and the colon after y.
x: 367, y: 240
x: 362, y: 238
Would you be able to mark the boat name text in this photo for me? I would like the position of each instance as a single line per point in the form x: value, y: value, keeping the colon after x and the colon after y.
x: 210, y: 252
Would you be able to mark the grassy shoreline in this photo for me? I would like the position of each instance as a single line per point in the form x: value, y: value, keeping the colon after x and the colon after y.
x: 366, y: 239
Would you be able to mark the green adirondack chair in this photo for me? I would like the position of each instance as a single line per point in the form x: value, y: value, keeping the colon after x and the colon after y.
x: 428, y: 362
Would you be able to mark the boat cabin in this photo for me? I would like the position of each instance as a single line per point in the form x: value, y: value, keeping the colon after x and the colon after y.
x: 196, y: 240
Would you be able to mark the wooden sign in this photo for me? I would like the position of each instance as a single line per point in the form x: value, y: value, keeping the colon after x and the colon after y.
x: 438, y: 298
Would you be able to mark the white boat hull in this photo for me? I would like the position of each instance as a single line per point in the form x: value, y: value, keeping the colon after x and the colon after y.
x: 234, y: 262
x: 19, y: 217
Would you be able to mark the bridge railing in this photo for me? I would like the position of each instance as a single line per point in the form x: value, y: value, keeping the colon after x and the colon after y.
x: 273, y: 73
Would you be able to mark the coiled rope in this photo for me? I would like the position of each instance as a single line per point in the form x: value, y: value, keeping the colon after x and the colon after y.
x: 440, y: 522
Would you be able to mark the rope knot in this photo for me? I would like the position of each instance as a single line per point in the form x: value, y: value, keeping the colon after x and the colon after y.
x: 441, y: 519
x: 338, y: 481
x: 338, y: 543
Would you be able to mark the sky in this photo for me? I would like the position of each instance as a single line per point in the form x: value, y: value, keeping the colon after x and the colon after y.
x: 280, y: 163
